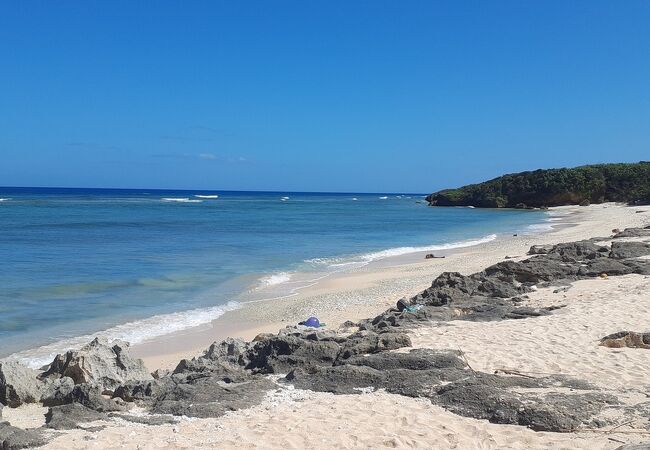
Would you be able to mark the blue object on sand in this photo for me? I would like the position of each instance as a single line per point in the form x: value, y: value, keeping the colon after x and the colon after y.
x: 311, y: 322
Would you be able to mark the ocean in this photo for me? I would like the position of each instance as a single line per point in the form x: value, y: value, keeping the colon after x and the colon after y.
x: 136, y: 264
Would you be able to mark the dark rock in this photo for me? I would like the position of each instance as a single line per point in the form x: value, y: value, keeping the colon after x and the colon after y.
x: 210, y: 397
x: 231, y: 350
x: 13, y: 438
x: 633, y: 232
x: 366, y: 342
x: 638, y: 266
x: 578, y: 251
x: 585, y: 203
x: 344, y: 379
x: 417, y: 359
x: 99, y: 362
x: 18, y: 384
x: 89, y: 396
x: 142, y: 390
x: 626, y: 339
x: 57, y: 391
x: 68, y: 417
x: 604, y: 266
x: 280, y: 354
x: 624, y: 250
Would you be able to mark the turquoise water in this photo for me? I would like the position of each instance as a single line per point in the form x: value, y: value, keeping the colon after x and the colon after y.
x: 140, y: 263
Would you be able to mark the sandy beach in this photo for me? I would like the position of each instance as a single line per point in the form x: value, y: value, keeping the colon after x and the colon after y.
x: 562, y: 343
x: 365, y: 292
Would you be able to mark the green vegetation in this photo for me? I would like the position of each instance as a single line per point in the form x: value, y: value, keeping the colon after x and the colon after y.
x: 554, y: 187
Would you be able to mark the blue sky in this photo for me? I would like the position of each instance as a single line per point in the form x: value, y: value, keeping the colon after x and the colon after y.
x: 317, y: 95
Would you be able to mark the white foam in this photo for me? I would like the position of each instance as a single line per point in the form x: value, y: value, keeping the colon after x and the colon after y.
x: 206, y: 196
x: 398, y: 251
x: 354, y: 199
x: 284, y: 199
x: 275, y: 279
x: 383, y: 198
x: 4, y: 199
x: 132, y: 332
x: 342, y: 263
x: 180, y: 200
x: 539, y: 227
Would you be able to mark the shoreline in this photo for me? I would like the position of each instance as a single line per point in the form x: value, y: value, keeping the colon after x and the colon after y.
x: 367, y: 291
x: 554, y: 358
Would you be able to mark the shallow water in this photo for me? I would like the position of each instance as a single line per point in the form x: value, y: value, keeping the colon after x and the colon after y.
x: 141, y: 263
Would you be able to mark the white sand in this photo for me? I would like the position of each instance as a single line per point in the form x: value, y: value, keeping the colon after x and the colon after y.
x: 565, y: 342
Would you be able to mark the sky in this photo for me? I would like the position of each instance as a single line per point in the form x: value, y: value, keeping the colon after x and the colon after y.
x: 347, y: 96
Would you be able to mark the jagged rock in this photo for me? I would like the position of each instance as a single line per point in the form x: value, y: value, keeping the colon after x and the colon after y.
x: 142, y: 390
x: 638, y: 266
x: 624, y: 250
x: 416, y: 359
x: 540, y: 249
x: 18, y: 384
x: 344, y: 379
x: 160, y: 373
x: 280, y: 354
x: 365, y: 342
x: 68, y: 417
x: 604, y: 266
x: 633, y: 232
x: 626, y: 339
x: 99, y: 362
x: 57, y: 391
x: 13, y: 438
x: 578, y: 251
x: 89, y: 396
x: 642, y: 446
x: 210, y: 397
x: 230, y: 350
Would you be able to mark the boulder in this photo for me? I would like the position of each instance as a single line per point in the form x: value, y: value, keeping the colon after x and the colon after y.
x: 540, y: 249
x: 578, y: 251
x: 57, y: 391
x: 101, y: 363
x: 230, y: 350
x: 13, y: 438
x: 633, y: 233
x: 626, y: 339
x: 87, y: 395
x: 210, y: 397
x: 624, y: 250
x: 18, y: 384
x: 68, y: 417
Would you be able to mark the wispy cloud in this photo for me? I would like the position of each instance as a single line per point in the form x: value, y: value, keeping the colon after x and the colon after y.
x: 204, y: 156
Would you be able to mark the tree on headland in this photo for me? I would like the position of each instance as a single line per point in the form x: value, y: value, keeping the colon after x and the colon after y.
x: 596, y: 183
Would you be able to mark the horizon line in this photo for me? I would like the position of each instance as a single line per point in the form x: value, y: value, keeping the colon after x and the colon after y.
x: 212, y: 190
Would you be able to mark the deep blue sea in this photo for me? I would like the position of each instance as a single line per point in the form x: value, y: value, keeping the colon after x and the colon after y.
x: 136, y: 264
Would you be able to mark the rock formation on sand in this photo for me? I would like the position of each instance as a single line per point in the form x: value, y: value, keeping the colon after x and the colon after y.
x: 101, y: 380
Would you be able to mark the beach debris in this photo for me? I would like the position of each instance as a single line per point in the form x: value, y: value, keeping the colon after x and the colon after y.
x: 311, y: 322
x: 18, y: 384
x: 432, y: 256
x: 106, y: 364
x: 626, y: 339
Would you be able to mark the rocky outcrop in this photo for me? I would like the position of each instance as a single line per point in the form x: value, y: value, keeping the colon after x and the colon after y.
x: 495, y: 293
x: 106, y: 365
x: 626, y: 339
x: 18, y: 384
x: 13, y: 438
